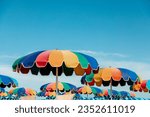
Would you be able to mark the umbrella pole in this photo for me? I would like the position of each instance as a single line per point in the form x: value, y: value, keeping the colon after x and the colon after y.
x: 111, y: 89
x: 56, y: 81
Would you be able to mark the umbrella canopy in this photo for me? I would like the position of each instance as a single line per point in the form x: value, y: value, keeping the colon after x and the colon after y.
x: 62, y: 86
x: 124, y: 94
x: 3, y: 94
x: 85, y: 90
x: 143, y: 86
x: 115, y: 76
x: 22, y: 92
x: 112, y: 77
x: 46, y: 61
x: 89, y: 90
x: 57, y: 61
x: 6, y: 81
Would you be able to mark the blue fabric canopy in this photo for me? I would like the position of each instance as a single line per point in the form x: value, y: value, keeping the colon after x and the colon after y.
x: 7, y: 81
x: 124, y: 93
x: 29, y: 60
x: 128, y: 74
x: 114, y: 92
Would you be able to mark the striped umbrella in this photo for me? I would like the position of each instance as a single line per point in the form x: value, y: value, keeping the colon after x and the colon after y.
x: 57, y: 61
x: 112, y: 77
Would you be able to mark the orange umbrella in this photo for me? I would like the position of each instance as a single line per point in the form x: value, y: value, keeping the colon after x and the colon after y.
x: 85, y: 90
x: 3, y: 94
x: 111, y: 76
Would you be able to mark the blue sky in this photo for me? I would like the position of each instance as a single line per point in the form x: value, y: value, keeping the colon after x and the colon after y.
x: 116, y: 32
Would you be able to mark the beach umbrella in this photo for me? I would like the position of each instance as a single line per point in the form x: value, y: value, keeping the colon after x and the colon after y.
x: 57, y: 61
x: 6, y: 81
x: 85, y: 90
x: 143, y: 86
x: 3, y: 94
x: 62, y: 86
x: 19, y: 92
x: 111, y: 76
x: 89, y: 90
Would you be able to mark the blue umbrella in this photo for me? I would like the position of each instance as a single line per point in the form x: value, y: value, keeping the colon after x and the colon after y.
x: 7, y: 81
x: 57, y: 61
x: 66, y: 86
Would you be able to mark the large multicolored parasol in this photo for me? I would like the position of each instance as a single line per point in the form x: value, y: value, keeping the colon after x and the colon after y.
x: 57, y: 61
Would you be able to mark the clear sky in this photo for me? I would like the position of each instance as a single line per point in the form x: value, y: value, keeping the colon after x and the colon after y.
x: 116, y: 32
